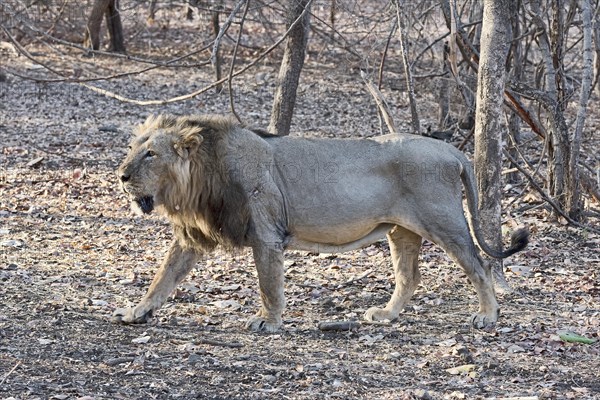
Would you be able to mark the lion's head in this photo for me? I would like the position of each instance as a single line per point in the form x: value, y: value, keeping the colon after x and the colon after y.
x: 158, y: 161
x: 176, y: 164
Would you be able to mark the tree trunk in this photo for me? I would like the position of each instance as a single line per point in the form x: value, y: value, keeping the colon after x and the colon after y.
x: 496, y: 36
x: 151, y: 12
x: 110, y: 8
x: 410, y: 87
x: 443, y: 93
x: 214, y: 18
x: 516, y: 65
x: 92, y: 32
x: 115, y: 28
x: 596, y: 32
x: 574, y: 201
x: 291, y: 66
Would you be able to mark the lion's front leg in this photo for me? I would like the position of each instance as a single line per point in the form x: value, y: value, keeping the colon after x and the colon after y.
x: 173, y: 270
x: 269, y: 265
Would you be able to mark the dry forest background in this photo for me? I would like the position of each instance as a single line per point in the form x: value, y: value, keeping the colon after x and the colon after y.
x: 71, y: 251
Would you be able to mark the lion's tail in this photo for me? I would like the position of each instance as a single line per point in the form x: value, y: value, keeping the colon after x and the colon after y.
x: 519, y: 238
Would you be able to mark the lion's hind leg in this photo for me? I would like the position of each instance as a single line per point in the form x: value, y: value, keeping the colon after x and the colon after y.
x: 404, y: 247
x: 454, y: 237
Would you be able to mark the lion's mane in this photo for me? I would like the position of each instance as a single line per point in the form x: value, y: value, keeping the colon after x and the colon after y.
x: 207, y: 209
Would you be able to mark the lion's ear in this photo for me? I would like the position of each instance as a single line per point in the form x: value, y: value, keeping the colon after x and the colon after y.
x: 188, y: 143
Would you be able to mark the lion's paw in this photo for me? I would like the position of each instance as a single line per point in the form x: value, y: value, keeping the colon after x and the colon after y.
x: 128, y: 316
x: 261, y: 324
x: 379, y: 314
x: 484, y: 321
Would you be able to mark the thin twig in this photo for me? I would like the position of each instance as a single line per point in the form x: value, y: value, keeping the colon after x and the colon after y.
x: 224, y: 27
x: 384, y: 55
x: 10, y: 372
x: 235, y: 50
x: 356, y: 278
x: 547, y: 198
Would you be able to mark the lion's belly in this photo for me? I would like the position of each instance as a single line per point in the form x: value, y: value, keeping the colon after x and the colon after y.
x: 337, y: 240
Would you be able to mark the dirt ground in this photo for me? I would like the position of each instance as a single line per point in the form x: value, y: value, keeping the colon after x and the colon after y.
x: 71, y: 252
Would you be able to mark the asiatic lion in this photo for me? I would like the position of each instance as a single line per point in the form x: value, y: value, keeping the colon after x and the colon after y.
x: 220, y: 183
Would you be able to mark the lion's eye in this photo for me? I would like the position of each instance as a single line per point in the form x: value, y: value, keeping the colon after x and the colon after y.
x: 150, y: 153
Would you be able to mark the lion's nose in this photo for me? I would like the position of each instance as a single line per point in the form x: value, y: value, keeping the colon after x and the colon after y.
x: 124, y: 178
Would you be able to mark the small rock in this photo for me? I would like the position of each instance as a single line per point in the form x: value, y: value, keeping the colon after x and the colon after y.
x: 422, y: 394
x: 140, y: 340
x: 11, y: 243
x: 195, y: 358
x: 515, y: 349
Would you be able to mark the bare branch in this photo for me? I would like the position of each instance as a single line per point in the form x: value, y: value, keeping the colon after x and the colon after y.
x: 214, y: 56
x: 545, y: 196
x: 381, y: 66
x: 416, y: 126
x: 381, y: 103
x: 198, y: 92
x: 224, y: 29
x: 235, y: 49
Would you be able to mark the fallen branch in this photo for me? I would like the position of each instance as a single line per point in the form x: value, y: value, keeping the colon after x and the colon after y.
x: 111, y: 362
x: 218, y: 343
x: 339, y: 325
x: 348, y: 325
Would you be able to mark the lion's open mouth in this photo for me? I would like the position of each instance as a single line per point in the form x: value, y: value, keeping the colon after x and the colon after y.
x: 146, y: 204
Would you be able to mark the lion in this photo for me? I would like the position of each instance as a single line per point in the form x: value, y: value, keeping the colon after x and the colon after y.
x: 223, y: 184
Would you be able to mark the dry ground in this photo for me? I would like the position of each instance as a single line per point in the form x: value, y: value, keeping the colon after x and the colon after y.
x: 72, y: 253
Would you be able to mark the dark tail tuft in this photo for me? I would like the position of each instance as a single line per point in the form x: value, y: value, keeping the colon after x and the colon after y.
x: 518, y: 241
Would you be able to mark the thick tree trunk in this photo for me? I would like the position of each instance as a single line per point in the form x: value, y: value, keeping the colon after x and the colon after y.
x: 495, y: 40
x: 110, y: 8
x: 574, y: 206
x: 291, y: 67
x: 115, y: 28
